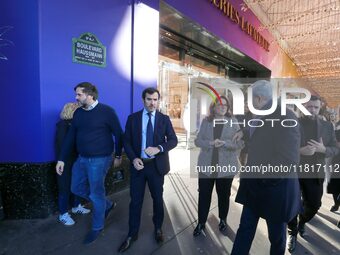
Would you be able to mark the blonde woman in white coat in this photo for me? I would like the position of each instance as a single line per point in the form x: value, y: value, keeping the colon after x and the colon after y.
x: 218, y: 152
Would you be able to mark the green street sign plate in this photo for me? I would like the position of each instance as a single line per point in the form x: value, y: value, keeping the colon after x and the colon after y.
x: 87, y: 49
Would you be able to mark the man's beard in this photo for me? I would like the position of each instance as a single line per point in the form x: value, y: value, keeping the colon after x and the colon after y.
x: 81, y: 104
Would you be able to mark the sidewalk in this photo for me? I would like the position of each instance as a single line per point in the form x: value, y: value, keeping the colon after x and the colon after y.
x: 47, y: 236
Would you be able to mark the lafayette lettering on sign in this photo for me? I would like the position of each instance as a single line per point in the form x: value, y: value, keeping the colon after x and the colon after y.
x: 229, y: 11
x: 87, y: 49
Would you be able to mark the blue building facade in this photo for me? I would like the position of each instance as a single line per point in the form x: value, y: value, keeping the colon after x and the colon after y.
x: 39, y: 69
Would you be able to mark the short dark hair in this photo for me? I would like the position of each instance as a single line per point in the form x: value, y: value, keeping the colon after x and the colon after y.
x: 88, y: 89
x: 150, y: 91
x: 315, y: 98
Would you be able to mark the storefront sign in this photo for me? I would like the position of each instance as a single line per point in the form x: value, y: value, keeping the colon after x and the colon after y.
x: 229, y: 11
x: 87, y: 49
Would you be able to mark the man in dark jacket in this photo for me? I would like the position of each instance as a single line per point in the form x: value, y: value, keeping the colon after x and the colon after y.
x: 317, y: 142
x: 148, y: 138
x: 273, y: 197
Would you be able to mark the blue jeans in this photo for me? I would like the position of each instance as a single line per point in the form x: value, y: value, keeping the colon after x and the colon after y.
x: 247, y: 229
x: 88, y: 177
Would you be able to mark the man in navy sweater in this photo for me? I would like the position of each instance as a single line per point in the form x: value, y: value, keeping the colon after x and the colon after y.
x: 91, y: 131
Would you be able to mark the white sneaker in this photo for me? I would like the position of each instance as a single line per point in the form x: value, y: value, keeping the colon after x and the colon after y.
x: 80, y: 210
x: 66, y: 219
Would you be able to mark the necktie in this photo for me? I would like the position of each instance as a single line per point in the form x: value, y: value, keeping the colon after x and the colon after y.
x: 149, y: 132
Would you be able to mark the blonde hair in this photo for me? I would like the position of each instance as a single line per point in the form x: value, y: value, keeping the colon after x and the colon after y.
x: 68, y: 110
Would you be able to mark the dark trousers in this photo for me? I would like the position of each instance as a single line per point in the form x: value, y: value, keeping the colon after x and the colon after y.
x: 206, y: 185
x: 312, y: 190
x: 65, y: 197
x: 155, y: 181
x: 247, y: 229
x: 336, y: 198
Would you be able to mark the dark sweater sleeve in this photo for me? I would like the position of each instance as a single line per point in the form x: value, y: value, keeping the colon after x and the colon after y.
x: 59, y: 137
x: 117, y: 132
x: 68, y: 144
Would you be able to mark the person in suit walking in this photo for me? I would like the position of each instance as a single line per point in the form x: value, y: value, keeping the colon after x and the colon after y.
x: 274, y: 197
x: 317, y: 143
x: 148, y: 138
x: 217, y: 149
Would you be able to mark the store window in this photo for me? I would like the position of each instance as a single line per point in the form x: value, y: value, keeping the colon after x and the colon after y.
x: 176, y: 68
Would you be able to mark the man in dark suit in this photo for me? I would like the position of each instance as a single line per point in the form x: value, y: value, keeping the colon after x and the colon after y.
x: 317, y: 142
x: 149, y: 136
x: 273, y: 197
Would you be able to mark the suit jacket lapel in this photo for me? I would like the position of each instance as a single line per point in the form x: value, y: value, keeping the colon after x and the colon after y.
x: 139, y: 127
x: 156, y: 128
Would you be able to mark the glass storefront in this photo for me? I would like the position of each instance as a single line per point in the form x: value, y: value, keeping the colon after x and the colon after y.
x: 188, y: 54
x: 174, y: 81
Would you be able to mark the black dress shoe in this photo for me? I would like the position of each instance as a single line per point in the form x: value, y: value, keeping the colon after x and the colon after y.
x: 334, y: 208
x: 223, y: 225
x: 291, y: 243
x: 159, y: 236
x: 198, y: 230
x: 301, y: 229
x: 127, y: 243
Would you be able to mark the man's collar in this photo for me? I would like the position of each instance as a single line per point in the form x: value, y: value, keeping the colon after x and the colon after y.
x: 91, y: 106
x: 145, y: 111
